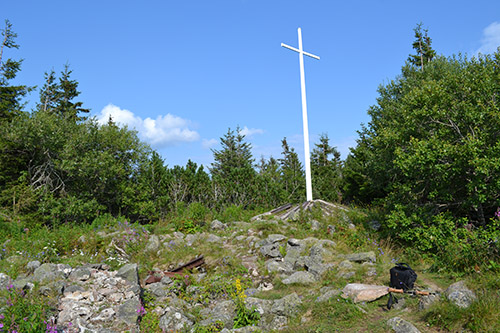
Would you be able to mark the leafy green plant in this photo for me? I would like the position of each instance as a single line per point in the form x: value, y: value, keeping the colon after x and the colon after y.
x: 22, y: 312
x: 150, y: 320
x: 244, y: 316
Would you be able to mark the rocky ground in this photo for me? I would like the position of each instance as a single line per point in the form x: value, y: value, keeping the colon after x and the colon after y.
x: 283, y: 273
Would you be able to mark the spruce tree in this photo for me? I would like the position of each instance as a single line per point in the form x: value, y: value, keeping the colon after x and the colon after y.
x: 292, y: 174
x: 422, y: 46
x: 325, y: 167
x: 232, y: 170
x: 10, y: 95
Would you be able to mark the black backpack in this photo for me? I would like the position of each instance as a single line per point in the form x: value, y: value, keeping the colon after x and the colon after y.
x: 402, y: 277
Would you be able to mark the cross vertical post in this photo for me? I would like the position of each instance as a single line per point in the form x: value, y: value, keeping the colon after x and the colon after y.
x: 304, y: 111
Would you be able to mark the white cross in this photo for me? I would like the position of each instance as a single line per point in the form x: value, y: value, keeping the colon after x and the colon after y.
x: 304, y: 111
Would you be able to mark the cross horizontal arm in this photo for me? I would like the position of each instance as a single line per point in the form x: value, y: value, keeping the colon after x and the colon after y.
x: 297, y: 50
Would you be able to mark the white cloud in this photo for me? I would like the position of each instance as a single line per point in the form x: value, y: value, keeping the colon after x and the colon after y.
x: 162, y: 131
x: 491, y: 39
x: 249, y: 132
x: 207, y: 144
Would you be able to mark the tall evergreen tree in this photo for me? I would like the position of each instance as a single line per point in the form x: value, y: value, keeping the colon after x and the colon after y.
x: 422, y: 47
x: 57, y: 97
x: 270, y: 186
x: 232, y: 170
x: 325, y: 167
x: 292, y: 174
x: 10, y: 96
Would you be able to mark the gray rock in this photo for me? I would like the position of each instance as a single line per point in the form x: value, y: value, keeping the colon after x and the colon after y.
x: 73, y: 288
x: 326, y: 293
x: 278, y: 322
x: 23, y: 283
x: 153, y: 243
x: 262, y: 306
x: 401, y: 326
x: 460, y: 295
x: 318, y: 269
x: 400, y: 304
x: 5, y: 281
x: 128, y: 312
x: 48, y: 272
x: 130, y: 273
x: 274, y: 238
x: 32, y: 265
x: 294, y: 249
x: 271, y: 251
x: 287, y: 306
x: 315, y: 225
x: 425, y: 302
x: 158, y: 289
x: 178, y: 234
x: 190, y: 239
x: 174, y: 320
x: 361, y: 257
x: 346, y: 264
x: 300, y: 278
x: 224, y: 311
x: 279, y: 267
x: 213, y: 239
x: 80, y: 274
x: 217, y: 225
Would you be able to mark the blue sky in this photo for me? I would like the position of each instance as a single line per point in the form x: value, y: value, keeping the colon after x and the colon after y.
x: 183, y: 72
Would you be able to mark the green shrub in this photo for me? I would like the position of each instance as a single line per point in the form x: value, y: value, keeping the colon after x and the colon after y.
x: 23, y: 312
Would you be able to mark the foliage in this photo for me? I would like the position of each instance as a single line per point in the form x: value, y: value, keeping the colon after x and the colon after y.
x: 23, y: 312
x: 326, y: 171
x: 149, y: 319
x: 422, y: 47
x: 10, y: 96
x: 292, y: 175
x: 244, y: 316
x: 58, y: 98
x: 232, y: 171
x: 431, y: 152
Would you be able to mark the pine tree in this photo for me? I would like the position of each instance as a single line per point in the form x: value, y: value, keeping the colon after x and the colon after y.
x: 325, y: 167
x: 292, y: 174
x: 232, y: 170
x: 57, y: 97
x: 422, y: 45
x: 10, y: 96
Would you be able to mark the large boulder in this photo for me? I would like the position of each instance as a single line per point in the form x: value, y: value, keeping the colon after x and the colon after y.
x: 224, y: 312
x: 51, y: 272
x: 129, y: 311
x: 460, y: 295
x: 399, y: 325
x: 287, y: 306
x: 130, y: 273
x: 301, y: 277
x: 359, y: 292
x: 362, y: 257
x: 174, y: 320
